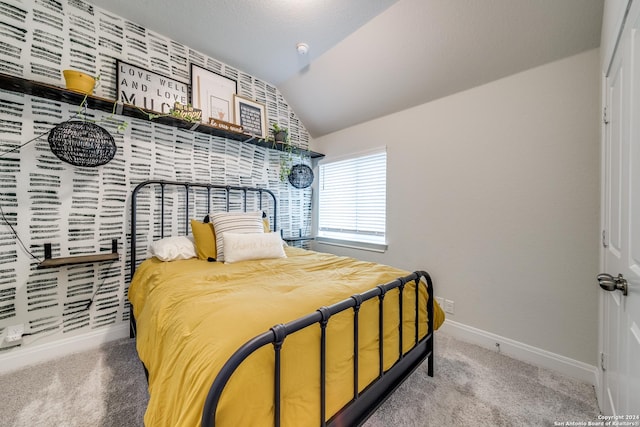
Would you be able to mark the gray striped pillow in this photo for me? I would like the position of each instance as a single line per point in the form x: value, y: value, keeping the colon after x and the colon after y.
x: 236, y: 222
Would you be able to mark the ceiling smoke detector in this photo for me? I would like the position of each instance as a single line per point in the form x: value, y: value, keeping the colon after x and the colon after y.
x: 302, y: 48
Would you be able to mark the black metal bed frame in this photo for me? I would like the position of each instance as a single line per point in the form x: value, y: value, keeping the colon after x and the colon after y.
x: 228, y: 190
x: 363, y: 403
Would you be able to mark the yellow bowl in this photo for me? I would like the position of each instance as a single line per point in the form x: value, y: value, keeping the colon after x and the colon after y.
x: 79, y: 82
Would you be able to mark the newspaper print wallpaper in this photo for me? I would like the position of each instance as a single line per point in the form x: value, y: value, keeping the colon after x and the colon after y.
x: 79, y: 210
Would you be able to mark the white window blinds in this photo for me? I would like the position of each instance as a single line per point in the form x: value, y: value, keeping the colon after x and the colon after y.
x: 352, y: 199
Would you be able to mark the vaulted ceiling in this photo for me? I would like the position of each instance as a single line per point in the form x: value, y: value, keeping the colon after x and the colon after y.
x: 370, y: 58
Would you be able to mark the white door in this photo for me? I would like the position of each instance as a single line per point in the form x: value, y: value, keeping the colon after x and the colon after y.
x: 621, y: 256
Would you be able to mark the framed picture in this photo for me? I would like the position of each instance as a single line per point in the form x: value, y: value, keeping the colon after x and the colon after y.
x: 148, y: 90
x: 212, y: 93
x: 251, y: 115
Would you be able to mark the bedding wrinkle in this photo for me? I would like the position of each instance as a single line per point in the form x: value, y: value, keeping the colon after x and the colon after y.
x: 192, y: 315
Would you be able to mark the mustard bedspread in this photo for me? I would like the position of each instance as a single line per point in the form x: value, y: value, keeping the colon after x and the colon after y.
x: 192, y: 315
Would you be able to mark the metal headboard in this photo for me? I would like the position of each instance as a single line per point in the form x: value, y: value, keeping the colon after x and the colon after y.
x: 228, y: 190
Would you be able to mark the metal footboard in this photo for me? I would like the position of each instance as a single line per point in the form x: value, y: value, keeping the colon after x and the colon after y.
x: 362, y: 403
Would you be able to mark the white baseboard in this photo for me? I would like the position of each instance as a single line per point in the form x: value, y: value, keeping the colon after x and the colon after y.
x: 598, y: 387
x: 23, y: 357
x: 524, y: 352
x: 30, y: 355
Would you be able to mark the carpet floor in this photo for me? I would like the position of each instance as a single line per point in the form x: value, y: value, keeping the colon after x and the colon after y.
x: 472, y: 386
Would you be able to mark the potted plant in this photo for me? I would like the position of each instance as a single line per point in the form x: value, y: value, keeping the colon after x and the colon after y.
x: 280, y: 134
x: 79, y: 82
x: 281, y: 142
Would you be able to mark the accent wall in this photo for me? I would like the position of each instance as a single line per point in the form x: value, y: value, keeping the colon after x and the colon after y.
x: 80, y: 210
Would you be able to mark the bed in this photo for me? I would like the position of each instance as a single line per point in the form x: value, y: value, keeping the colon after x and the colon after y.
x: 299, y: 338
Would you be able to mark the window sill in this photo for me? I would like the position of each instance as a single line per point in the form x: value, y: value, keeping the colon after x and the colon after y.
x: 373, y: 247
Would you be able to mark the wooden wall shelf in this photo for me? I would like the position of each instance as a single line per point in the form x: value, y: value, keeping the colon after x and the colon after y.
x: 78, y: 259
x: 298, y: 239
x: 42, y: 90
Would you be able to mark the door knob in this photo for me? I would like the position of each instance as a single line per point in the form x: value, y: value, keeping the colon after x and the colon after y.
x: 610, y: 283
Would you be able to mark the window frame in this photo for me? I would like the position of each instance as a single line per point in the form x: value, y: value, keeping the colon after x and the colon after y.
x: 345, y: 240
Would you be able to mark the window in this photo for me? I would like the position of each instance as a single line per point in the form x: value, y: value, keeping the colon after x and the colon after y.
x: 352, y: 201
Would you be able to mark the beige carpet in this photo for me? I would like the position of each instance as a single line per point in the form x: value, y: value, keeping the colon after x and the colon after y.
x: 472, y: 387
x: 103, y: 387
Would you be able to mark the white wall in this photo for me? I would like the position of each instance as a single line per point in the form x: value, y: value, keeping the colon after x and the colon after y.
x: 495, y: 192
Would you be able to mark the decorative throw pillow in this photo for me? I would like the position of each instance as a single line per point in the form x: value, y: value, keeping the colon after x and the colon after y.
x: 173, y: 248
x: 242, y: 247
x: 235, y: 222
x: 205, y: 239
x: 265, y: 222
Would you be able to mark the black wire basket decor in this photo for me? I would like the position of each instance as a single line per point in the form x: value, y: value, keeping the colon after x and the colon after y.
x: 301, y: 176
x: 82, y: 143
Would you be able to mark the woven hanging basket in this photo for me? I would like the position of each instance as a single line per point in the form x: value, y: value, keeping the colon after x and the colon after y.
x: 82, y: 143
x: 301, y: 176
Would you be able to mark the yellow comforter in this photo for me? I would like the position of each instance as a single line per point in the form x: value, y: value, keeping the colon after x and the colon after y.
x: 192, y: 315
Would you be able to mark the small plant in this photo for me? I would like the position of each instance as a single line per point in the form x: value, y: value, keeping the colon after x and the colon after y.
x: 187, y: 113
x: 285, y: 168
x: 281, y: 142
x: 121, y: 125
x: 280, y: 134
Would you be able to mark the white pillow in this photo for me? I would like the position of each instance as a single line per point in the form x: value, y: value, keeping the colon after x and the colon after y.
x: 234, y: 222
x: 173, y: 248
x: 242, y: 247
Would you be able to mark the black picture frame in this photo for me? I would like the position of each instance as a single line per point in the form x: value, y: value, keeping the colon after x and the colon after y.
x: 251, y: 115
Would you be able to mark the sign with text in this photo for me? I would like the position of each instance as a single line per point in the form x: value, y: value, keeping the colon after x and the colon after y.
x: 231, y: 127
x: 148, y: 90
x: 251, y: 115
